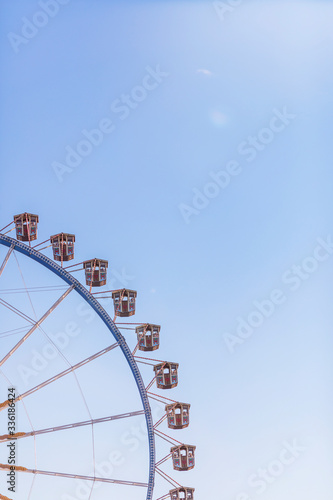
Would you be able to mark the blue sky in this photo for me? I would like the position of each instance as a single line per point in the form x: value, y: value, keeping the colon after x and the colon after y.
x: 139, y: 199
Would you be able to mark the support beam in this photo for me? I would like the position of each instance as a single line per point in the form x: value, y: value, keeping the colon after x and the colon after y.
x: 20, y: 435
x: 73, y: 476
x: 61, y: 374
x: 17, y: 311
x: 167, y: 478
x: 3, y: 265
x: 37, y: 324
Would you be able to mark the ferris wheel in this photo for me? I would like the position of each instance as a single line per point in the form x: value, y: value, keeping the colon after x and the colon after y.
x: 79, y: 371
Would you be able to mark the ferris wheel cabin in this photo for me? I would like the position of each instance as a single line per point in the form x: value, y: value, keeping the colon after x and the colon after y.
x: 183, y: 457
x: 26, y: 226
x: 178, y: 415
x: 182, y: 494
x: 166, y: 375
x: 63, y: 246
x: 95, y: 271
x: 148, y: 337
x: 124, y: 302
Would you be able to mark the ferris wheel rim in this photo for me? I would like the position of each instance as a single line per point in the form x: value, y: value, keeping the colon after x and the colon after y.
x: 42, y: 259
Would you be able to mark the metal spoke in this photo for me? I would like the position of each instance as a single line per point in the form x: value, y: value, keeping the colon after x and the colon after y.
x: 62, y: 374
x: 167, y: 438
x: 20, y: 435
x: 17, y: 311
x: 36, y: 325
x: 160, y: 421
x: 6, y: 259
x: 163, y: 460
x: 165, y: 476
x: 73, y: 476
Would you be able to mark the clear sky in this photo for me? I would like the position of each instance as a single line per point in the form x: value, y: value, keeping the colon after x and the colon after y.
x: 189, y: 143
